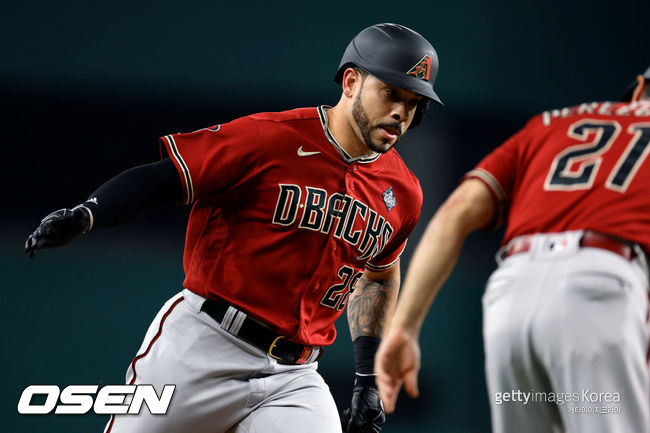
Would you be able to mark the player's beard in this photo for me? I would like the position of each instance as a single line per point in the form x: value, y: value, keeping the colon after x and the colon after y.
x: 363, y: 122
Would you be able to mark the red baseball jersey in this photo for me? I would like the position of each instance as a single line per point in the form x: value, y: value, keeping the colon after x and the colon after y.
x: 583, y: 167
x: 284, y: 221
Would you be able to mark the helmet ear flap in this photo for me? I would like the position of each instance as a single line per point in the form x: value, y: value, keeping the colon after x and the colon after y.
x: 420, y: 111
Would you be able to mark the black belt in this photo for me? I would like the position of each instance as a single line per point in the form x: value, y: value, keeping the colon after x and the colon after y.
x: 254, y: 332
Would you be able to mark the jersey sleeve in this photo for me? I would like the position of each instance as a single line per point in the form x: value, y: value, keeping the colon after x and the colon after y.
x: 391, y: 254
x: 498, y: 171
x: 215, y: 159
x: 395, y: 246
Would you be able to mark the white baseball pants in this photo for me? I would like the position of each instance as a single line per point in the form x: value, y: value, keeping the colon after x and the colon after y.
x: 222, y: 383
x: 566, y: 340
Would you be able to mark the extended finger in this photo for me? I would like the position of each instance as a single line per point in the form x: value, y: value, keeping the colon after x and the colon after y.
x: 28, y: 247
x: 411, y: 384
x: 31, y: 244
x: 388, y: 392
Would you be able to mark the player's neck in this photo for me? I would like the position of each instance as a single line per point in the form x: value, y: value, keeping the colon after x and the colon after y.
x: 344, y: 133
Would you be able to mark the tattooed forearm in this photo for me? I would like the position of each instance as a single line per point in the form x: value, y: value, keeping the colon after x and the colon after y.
x: 370, y: 305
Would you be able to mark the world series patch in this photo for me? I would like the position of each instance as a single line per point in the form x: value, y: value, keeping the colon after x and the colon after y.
x: 389, y: 198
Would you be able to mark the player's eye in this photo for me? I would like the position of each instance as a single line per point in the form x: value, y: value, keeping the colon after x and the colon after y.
x: 413, y: 104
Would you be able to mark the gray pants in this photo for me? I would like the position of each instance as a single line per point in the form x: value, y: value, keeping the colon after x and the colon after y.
x: 222, y: 383
x: 566, y: 340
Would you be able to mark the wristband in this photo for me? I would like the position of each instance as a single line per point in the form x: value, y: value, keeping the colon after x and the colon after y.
x: 91, y: 219
x: 365, y: 349
x: 365, y: 380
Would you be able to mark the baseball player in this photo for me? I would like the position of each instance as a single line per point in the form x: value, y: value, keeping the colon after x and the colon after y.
x: 566, y: 312
x: 294, y: 215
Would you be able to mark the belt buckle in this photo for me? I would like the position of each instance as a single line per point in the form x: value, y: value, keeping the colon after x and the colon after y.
x: 272, y: 346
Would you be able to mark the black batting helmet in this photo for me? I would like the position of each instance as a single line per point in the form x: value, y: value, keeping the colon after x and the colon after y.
x: 633, y: 87
x: 398, y: 56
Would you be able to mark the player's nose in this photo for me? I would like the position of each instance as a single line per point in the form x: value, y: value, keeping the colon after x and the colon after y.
x: 399, y: 111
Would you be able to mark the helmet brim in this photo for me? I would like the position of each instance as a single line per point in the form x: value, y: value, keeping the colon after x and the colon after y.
x: 402, y: 81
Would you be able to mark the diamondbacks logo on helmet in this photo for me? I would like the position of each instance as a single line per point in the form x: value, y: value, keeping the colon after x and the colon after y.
x: 422, y: 69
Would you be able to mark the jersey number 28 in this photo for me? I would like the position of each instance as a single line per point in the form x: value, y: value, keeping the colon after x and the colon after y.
x: 337, y: 295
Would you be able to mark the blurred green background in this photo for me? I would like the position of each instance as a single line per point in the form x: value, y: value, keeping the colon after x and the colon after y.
x: 88, y: 87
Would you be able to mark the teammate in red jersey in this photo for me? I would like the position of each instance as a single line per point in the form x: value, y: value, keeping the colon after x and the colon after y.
x: 291, y: 212
x: 566, y: 313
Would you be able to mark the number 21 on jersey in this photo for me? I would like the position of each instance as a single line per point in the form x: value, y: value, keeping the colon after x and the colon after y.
x: 576, y: 167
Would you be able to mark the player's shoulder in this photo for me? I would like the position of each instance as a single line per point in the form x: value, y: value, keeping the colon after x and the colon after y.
x: 393, y: 160
x: 303, y: 122
x: 394, y: 166
x: 296, y: 114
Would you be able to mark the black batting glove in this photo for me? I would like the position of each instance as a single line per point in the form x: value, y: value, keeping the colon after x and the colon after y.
x: 366, y: 412
x: 59, y: 228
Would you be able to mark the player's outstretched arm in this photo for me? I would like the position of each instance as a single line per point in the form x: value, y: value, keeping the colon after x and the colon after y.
x: 397, y: 362
x: 369, y: 308
x: 115, y: 202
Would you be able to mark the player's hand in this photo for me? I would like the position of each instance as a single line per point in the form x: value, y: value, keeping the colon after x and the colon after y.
x: 59, y: 228
x: 366, y: 412
x: 397, y: 362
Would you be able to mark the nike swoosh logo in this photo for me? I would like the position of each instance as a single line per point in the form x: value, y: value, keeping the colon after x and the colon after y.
x: 304, y: 153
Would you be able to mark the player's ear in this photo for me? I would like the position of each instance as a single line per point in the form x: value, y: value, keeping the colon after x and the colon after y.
x: 351, y: 80
x: 640, y: 88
